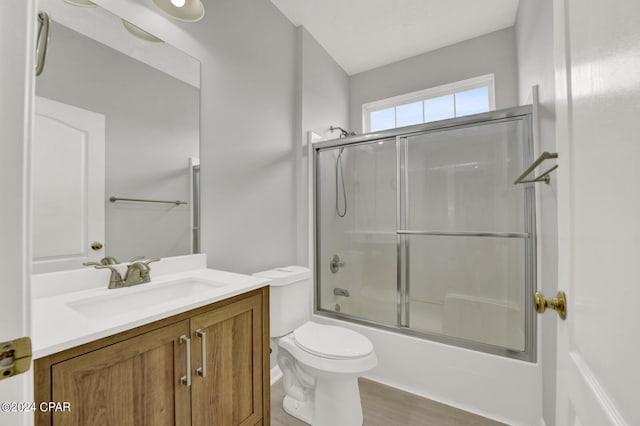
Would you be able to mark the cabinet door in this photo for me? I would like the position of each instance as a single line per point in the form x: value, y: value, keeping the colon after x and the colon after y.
x: 134, y: 382
x: 230, y: 393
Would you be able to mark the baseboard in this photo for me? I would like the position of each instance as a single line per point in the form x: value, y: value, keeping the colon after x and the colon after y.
x: 276, y: 374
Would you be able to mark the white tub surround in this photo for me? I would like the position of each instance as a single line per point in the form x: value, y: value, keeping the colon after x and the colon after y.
x: 71, y: 308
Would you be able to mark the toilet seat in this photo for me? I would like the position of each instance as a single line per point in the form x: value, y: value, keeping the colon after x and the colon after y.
x: 323, y: 365
x: 331, y: 342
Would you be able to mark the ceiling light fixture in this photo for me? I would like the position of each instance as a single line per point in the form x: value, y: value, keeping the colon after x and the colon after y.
x: 140, y: 33
x: 182, y: 10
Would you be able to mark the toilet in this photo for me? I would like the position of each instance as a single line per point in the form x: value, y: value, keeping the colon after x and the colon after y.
x: 320, y: 363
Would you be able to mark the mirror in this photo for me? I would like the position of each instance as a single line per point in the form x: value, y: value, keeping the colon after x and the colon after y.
x: 115, y: 158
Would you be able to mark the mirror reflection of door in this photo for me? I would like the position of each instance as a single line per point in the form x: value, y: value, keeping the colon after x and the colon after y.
x: 68, y: 163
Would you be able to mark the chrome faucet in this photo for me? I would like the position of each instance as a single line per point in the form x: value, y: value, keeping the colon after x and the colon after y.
x: 115, y: 280
x: 137, y: 273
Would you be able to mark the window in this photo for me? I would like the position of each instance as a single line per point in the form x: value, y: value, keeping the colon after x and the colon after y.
x: 457, y: 99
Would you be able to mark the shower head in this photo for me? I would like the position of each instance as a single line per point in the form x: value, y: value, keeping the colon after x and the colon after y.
x: 343, y: 132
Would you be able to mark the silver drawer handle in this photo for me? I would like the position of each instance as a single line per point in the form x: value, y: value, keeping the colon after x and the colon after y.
x: 186, y: 380
x: 202, y: 371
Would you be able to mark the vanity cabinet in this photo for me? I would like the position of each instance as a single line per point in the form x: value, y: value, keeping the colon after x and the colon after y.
x: 227, y: 389
x: 140, y: 377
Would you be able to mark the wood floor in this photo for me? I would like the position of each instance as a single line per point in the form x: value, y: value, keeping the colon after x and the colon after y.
x: 386, y: 406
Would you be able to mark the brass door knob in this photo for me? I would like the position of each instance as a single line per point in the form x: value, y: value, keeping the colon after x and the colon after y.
x: 96, y: 245
x: 558, y: 303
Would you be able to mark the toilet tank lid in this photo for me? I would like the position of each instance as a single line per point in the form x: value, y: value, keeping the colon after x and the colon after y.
x: 285, y: 275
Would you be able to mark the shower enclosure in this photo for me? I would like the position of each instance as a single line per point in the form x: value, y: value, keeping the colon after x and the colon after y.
x: 421, y: 230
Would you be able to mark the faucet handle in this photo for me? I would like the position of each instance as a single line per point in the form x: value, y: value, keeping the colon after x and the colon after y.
x: 143, y: 259
x: 109, y: 260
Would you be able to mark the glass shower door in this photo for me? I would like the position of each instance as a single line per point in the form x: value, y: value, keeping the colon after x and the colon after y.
x: 465, y: 233
x: 421, y: 231
x: 356, y: 239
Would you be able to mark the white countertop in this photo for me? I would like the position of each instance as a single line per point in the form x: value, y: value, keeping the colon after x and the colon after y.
x: 57, y: 326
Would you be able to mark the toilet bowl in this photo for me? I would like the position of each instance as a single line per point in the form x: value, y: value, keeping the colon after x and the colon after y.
x: 320, y: 363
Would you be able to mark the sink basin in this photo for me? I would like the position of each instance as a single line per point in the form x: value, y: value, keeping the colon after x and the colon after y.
x: 124, y: 300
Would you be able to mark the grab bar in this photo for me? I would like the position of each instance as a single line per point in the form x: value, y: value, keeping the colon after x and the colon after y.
x: 543, y: 177
x: 465, y: 234
x: 140, y: 200
x: 43, y: 40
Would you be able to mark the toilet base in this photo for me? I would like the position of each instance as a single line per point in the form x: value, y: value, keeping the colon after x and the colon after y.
x: 297, y: 409
x: 337, y: 401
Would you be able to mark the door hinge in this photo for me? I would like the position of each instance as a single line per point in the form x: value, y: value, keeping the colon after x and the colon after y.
x: 15, y: 357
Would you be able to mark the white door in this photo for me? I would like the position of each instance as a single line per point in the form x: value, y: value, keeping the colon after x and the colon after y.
x: 17, y: 23
x: 68, y: 158
x: 598, y: 117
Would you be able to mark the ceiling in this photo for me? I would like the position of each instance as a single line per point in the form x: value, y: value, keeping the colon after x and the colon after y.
x: 365, y: 34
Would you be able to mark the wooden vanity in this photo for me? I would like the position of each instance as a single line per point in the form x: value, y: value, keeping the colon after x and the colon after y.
x: 155, y: 374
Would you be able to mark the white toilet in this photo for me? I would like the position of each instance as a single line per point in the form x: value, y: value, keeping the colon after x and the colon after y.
x: 320, y: 363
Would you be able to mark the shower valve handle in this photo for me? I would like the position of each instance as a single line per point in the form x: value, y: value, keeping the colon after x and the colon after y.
x: 335, y: 264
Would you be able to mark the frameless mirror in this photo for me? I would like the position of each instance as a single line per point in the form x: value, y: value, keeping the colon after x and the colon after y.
x: 116, y: 143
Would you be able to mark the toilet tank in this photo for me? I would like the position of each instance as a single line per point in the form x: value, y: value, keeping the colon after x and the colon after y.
x: 289, y: 298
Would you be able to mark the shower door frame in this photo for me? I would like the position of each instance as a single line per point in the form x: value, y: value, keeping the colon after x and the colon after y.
x: 401, y: 136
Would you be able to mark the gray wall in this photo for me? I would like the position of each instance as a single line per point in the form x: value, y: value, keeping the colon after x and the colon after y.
x: 491, y: 53
x: 324, y: 88
x: 152, y: 128
x: 248, y: 54
x: 534, y: 34
x: 324, y: 102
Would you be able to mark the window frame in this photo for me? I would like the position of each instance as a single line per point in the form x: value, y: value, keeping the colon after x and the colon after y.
x: 487, y: 80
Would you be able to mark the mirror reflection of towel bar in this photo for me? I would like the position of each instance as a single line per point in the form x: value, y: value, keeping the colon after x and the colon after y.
x: 139, y: 200
x: 43, y: 40
x: 543, y: 177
